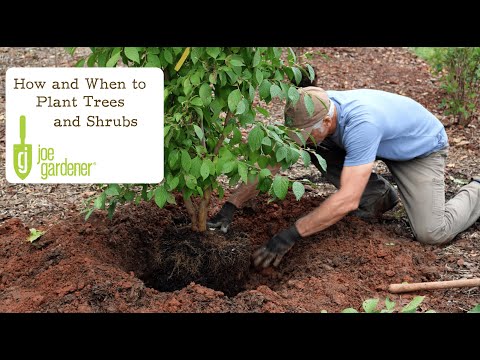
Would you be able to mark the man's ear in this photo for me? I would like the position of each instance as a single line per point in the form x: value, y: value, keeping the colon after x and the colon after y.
x: 327, y: 122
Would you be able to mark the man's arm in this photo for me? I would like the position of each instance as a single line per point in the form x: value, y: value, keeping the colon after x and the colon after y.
x: 248, y: 191
x: 352, y: 184
x: 243, y: 193
x: 353, y: 181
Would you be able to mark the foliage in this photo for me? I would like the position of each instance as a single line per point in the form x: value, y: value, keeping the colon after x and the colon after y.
x: 475, y: 309
x: 371, y: 306
x: 209, y: 100
x: 426, y: 53
x: 459, y: 70
x: 34, y: 235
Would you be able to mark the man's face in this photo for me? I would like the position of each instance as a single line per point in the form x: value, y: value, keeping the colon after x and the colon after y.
x: 317, y: 135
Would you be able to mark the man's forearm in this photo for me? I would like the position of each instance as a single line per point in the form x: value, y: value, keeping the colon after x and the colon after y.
x: 244, y: 193
x: 248, y: 191
x: 328, y: 213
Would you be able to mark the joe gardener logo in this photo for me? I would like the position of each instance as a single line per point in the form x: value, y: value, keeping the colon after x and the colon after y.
x: 22, y: 153
x: 84, y: 125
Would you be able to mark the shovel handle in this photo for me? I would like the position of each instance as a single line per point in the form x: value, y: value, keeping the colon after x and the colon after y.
x: 433, y: 285
x: 23, y: 128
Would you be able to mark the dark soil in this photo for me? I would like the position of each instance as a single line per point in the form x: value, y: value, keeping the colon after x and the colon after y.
x: 167, y: 255
x: 133, y: 262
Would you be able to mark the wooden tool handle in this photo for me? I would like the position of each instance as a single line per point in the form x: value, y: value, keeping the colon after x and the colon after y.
x: 401, y: 288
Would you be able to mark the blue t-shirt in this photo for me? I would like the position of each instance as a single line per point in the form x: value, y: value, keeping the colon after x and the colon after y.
x: 377, y: 124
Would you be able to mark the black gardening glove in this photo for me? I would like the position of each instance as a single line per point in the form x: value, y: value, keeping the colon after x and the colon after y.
x: 276, y: 248
x: 223, y: 218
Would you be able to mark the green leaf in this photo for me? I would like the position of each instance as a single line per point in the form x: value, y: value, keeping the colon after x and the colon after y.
x: 237, y: 136
x: 243, y: 171
x: 258, y: 76
x: 196, y: 101
x: 255, y: 138
x: 311, y: 72
x: 305, y: 157
x: 349, y: 311
x: 293, y: 95
x: 298, y: 75
x: 292, y: 58
x: 173, y: 157
x: 267, y: 141
x: 195, y: 79
x: 213, y: 51
x: 34, y: 235
x: 280, y: 186
x: 80, y: 63
x: 167, y: 54
x: 186, y: 161
x: 411, y: 307
x: 309, y: 104
x: 241, y: 107
x: 173, y: 183
x: 276, y: 91
x: 389, y: 304
x: 251, y: 92
x: 198, y: 131
x: 114, y: 58
x: 474, y: 310
x: 129, y: 195
x: 236, y: 62
x: 132, y: 54
x: 111, y: 209
x: 187, y: 86
x: 281, y: 153
x: 298, y: 190
x: 256, y: 58
x: 99, y: 202
x: 228, y: 166
x: 265, y: 173
x: 190, y: 181
x: 370, y: 305
x: 205, y: 170
x: 233, y: 99
x: 205, y: 93
x: 263, y: 111
x: 321, y: 161
x: 89, y: 212
x: 113, y: 190
x: 264, y: 89
x: 195, y: 168
x: 160, y: 196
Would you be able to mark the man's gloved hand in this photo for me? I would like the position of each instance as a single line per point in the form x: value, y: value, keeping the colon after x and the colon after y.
x: 223, y: 218
x: 276, y: 248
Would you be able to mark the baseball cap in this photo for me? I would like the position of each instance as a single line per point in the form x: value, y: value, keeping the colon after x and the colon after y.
x: 297, y: 116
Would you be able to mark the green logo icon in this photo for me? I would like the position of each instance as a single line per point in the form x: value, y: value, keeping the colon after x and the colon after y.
x: 22, y: 153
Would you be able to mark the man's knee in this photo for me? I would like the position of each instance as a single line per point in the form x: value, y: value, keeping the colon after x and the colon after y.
x: 433, y: 237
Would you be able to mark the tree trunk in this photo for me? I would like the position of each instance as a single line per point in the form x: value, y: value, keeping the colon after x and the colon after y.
x: 203, y: 210
x: 192, y: 211
x: 198, y: 215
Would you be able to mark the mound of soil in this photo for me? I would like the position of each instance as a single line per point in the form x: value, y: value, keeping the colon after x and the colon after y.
x: 113, y: 265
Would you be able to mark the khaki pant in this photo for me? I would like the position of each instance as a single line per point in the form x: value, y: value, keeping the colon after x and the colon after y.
x: 422, y: 189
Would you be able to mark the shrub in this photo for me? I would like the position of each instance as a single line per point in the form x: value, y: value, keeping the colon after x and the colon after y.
x: 459, y: 69
x: 209, y: 100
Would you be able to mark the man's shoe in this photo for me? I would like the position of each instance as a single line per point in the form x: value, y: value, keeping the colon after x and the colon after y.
x: 386, y: 202
x: 476, y: 178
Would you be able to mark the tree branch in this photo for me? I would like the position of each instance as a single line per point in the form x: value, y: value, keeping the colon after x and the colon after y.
x: 222, y: 137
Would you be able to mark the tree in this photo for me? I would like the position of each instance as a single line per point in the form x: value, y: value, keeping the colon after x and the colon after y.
x: 209, y: 100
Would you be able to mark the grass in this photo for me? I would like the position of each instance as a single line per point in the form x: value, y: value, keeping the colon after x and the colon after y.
x: 425, y: 53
